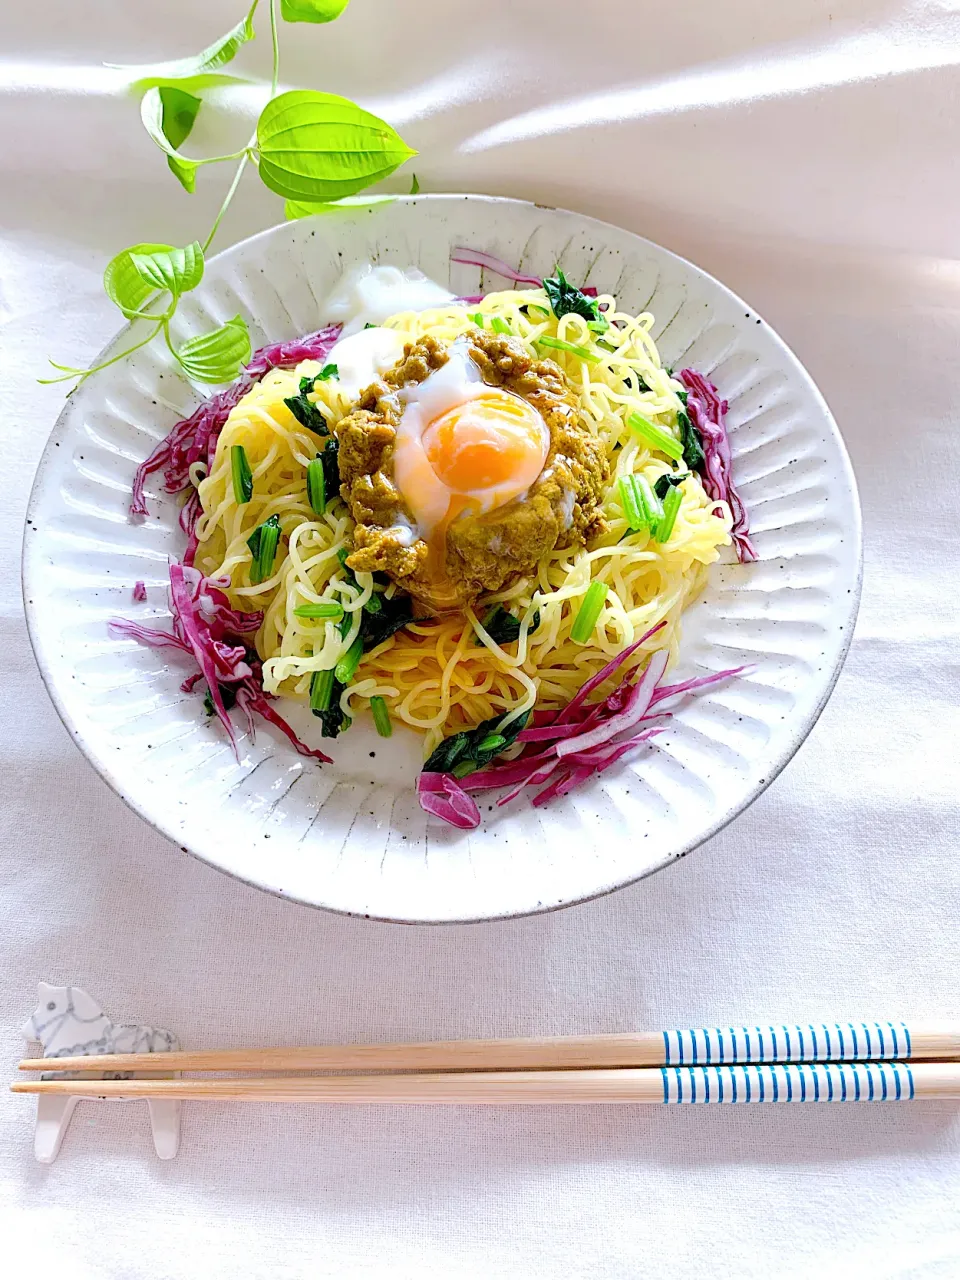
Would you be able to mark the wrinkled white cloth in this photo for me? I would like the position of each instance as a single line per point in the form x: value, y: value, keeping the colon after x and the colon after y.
x: 805, y: 154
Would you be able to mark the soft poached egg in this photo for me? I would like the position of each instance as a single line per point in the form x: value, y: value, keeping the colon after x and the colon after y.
x: 369, y: 295
x: 463, y: 447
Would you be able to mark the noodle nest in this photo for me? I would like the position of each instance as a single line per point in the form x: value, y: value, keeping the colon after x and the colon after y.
x: 446, y: 674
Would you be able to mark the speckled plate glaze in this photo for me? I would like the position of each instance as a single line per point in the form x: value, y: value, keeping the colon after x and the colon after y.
x: 350, y: 836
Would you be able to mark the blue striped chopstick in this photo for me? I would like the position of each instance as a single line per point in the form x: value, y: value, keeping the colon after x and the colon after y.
x: 741, y: 1083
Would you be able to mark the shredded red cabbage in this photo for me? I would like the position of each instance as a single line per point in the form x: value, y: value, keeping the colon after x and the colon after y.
x: 706, y: 411
x: 205, y: 627
x: 139, y: 592
x: 583, y: 740
x: 313, y: 346
x: 475, y: 258
x: 441, y: 795
x: 195, y: 439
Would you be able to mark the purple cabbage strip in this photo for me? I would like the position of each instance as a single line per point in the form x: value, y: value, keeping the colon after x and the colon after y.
x: 441, y: 795
x: 195, y: 438
x: 204, y: 626
x: 588, y: 742
x: 604, y: 674
x: 476, y: 258
x: 314, y: 346
x: 706, y: 411
x: 139, y: 591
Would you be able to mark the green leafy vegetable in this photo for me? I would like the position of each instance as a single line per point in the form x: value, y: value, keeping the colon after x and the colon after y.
x: 217, y: 356
x: 692, y: 450
x: 325, y: 691
x: 566, y: 298
x: 317, y: 146
x: 263, y: 544
x: 329, y: 460
x: 381, y: 716
x: 499, y: 325
x: 196, y: 69
x: 240, y: 474
x: 476, y: 318
x: 311, y: 10
x: 670, y: 479
x: 326, y: 609
x: 328, y: 371
x: 228, y: 696
x: 464, y: 752
x: 392, y: 615
x: 503, y: 627
x: 304, y: 410
x: 589, y: 612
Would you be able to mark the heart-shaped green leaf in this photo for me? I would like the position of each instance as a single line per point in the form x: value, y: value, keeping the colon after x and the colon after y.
x: 163, y: 112
x: 123, y: 283
x: 178, y: 270
x: 217, y: 356
x: 311, y: 10
x: 317, y: 146
x: 179, y: 112
x: 137, y: 274
x: 196, y: 69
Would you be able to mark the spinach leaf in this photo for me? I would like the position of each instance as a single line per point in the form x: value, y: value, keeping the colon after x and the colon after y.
x: 390, y: 617
x: 332, y: 720
x: 503, y: 627
x: 672, y: 479
x: 330, y: 460
x: 228, y: 695
x: 473, y: 749
x: 566, y: 298
x: 309, y: 416
x: 692, y: 448
x: 328, y: 371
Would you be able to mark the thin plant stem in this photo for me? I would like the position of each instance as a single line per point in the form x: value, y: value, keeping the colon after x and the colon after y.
x: 80, y: 374
x: 231, y: 192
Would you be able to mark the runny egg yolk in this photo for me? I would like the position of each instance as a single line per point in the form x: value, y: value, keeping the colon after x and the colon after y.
x: 495, y: 442
x: 462, y: 448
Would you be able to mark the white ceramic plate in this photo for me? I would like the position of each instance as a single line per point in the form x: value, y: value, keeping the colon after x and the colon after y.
x: 350, y: 836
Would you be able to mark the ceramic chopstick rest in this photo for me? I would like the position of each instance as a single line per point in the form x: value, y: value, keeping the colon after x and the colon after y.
x: 68, y: 1022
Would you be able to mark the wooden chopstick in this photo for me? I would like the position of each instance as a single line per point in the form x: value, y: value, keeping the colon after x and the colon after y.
x: 812, y: 1042
x: 763, y: 1082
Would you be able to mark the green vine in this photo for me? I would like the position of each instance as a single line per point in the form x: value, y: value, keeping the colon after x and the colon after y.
x: 314, y: 149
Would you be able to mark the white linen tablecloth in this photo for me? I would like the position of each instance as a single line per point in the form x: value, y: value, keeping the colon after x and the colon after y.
x: 806, y: 154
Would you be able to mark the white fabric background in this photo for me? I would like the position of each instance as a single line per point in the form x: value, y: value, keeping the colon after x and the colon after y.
x: 805, y: 153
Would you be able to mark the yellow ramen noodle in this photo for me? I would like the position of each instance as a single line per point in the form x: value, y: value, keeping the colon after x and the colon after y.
x: 445, y: 674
